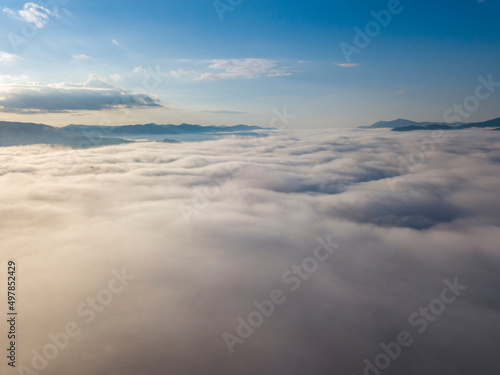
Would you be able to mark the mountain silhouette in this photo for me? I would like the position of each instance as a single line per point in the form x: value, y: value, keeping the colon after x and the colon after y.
x: 83, y: 136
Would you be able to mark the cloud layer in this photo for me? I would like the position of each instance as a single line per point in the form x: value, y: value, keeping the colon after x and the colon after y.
x: 95, y: 94
x: 258, y: 206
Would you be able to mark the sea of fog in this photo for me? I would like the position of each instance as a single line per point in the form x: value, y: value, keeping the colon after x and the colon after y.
x: 303, y: 252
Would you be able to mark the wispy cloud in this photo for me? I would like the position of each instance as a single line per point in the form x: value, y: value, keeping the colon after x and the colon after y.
x: 141, y: 70
x: 222, y: 69
x: 181, y: 73
x: 95, y: 94
x: 401, y: 92
x: 32, y: 13
x: 247, y: 68
x: 115, y: 42
x: 8, y: 79
x: 347, y: 65
x: 220, y: 112
x: 116, y: 78
x: 81, y: 57
x: 6, y: 58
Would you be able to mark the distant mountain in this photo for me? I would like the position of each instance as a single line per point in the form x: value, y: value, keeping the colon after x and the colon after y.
x: 495, y: 123
x: 155, y: 129
x: 426, y: 127
x: 21, y: 133
x: 399, y: 123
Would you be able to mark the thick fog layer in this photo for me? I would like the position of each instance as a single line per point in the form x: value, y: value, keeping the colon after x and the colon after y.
x: 326, y: 252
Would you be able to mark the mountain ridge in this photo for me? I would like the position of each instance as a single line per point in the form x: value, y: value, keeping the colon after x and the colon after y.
x: 398, y: 123
x: 27, y: 133
x: 494, y: 123
x: 402, y: 125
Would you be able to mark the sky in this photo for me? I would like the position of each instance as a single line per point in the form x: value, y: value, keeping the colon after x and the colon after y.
x: 247, y: 62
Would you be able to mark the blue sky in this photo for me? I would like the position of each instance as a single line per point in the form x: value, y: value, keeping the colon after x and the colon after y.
x: 206, y: 62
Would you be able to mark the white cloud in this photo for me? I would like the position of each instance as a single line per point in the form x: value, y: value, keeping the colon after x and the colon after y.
x: 220, y: 111
x: 140, y: 69
x: 347, y: 65
x: 180, y: 73
x: 247, y: 68
x: 8, y: 79
x: 7, y: 58
x: 80, y: 57
x: 33, y: 13
x: 116, y: 78
x: 401, y: 92
x: 115, y: 42
x: 75, y: 215
x: 94, y: 94
x: 222, y: 69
